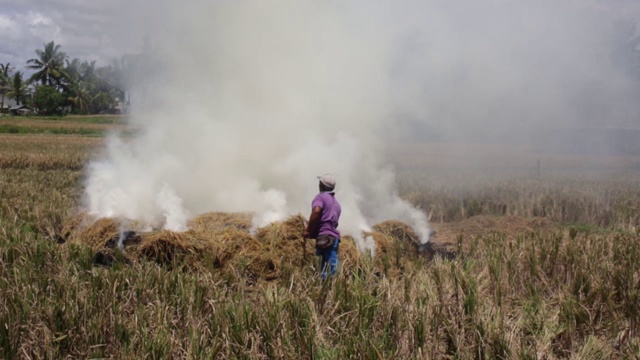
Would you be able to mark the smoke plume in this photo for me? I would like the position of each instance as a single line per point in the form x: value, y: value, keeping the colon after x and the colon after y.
x: 247, y: 102
x: 242, y: 103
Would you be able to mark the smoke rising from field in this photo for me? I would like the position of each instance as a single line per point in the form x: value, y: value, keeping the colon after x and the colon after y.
x: 242, y: 103
x: 252, y: 101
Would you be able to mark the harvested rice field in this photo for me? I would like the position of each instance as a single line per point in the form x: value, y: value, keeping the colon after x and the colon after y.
x: 527, y: 261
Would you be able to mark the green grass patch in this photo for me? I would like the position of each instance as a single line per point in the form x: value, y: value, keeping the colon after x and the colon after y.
x: 16, y: 129
x: 99, y: 119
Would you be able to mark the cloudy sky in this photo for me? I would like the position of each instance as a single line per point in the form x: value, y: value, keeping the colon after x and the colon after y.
x: 86, y: 29
x: 98, y: 29
x: 489, y: 55
x: 103, y: 29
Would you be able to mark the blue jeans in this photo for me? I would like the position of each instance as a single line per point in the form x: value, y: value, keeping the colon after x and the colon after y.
x: 329, y: 262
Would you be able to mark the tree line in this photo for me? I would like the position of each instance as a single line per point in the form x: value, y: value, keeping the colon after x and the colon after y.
x: 62, y: 84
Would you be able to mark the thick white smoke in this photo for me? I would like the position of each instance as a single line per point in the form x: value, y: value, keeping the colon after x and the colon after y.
x: 242, y: 103
x: 250, y: 101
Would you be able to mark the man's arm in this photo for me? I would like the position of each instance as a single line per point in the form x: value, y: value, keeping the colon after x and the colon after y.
x: 314, y: 221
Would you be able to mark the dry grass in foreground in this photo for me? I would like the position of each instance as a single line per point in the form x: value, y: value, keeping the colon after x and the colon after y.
x: 549, y: 295
x: 521, y: 286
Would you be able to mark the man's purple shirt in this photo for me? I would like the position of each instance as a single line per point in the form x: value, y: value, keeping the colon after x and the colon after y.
x: 330, y: 214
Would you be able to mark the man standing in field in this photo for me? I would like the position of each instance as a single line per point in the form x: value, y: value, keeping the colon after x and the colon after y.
x: 323, y: 225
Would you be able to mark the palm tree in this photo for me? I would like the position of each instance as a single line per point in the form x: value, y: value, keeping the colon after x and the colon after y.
x: 18, y: 88
x: 5, y: 74
x: 81, y: 81
x: 75, y: 70
x: 72, y: 70
x: 49, y: 63
x: 80, y: 97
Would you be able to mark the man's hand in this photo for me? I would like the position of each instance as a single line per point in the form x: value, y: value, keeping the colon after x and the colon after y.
x: 306, y: 233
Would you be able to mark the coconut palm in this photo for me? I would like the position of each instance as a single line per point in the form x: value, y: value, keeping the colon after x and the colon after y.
x: 80, y: 97
x: 5, y: 74
x: 49, y: 63
x: 72, y: 70
x: 4, y: 87
x: 17, y: 88
x: 75, y: 70
x: 5, y: 69
x: 81, y: 83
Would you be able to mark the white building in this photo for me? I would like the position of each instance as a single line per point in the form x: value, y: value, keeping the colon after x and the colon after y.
x: 8, y: 104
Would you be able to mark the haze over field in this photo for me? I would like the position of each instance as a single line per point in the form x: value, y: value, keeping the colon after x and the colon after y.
x: 467, y: 66
x: 266, y: 98
x: 245, y: 102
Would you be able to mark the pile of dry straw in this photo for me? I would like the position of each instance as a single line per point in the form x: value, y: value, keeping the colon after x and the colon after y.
x: 223, y: 241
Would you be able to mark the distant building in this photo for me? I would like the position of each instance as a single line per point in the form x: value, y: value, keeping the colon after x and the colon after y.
x: 20, y: 110
x: 8, y: 104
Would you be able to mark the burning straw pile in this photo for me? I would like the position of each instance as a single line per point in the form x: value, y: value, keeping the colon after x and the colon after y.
x: 224, y: 241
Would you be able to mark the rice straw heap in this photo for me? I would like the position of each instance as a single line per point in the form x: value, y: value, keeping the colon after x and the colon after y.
x: 224, y: 241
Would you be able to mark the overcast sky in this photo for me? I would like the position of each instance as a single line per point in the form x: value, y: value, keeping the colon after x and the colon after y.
x: 547, y: 59
x: 86, y: 29
x: 103, y: 29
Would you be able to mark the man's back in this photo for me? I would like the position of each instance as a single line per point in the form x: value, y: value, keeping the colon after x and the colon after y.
x: 330, y: 214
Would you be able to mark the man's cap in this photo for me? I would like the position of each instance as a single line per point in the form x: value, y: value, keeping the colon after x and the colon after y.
x: 328, y: 180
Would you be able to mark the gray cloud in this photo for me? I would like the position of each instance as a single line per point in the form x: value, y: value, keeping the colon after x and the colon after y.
x: 85, y: 29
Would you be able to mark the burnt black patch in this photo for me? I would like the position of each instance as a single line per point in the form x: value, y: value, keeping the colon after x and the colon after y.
x: 102, y: 258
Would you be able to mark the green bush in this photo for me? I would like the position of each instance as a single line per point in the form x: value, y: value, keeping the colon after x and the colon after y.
x: 48, y: 100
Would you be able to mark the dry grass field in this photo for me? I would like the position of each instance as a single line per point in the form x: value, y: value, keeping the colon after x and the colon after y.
x: 504, y: 159
x: 532, y: 262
